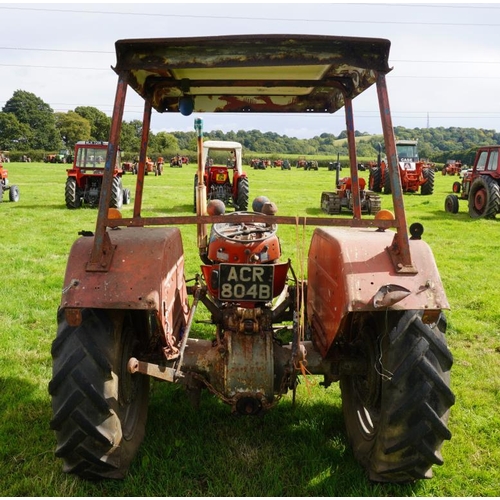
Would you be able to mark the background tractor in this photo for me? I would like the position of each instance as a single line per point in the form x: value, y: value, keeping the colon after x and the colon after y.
x: 84, y: 180
x: 367, y: 311
x: 480, y: 186
x: 415, y: 173
x: 332, y: 202
x: 452, y: 167
x: 179, y: 161
x: 220, y: 184
x: 12, y: 189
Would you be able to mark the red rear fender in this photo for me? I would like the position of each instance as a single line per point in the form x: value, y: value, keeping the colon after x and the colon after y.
x: 146, y: 272
x: 350, y: 270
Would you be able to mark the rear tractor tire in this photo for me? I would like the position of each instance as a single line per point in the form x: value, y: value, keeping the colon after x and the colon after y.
x: 373, y: 204
x: 428, y: 186
x: 72, y: 194
x: 116, y: 193
x: 126, y: 196
x: 375, y: 180
x: 387, y: 182
x: 451, y: 204
x: 14, y: 193
x: 397, y: 408
x: 99, y: 408
x: 243, y: 194
x: 484, y: 198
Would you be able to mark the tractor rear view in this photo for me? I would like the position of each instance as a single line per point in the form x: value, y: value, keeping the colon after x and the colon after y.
x: 224, y: 180
x: 452, y: 167
x: 480, y: 186
x: 415, y: 173
x: 332, y: 202
x: 368, y: 311
x: 85, y: 177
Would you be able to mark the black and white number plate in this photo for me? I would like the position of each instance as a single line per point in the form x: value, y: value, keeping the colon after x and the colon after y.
x: 246, y: 282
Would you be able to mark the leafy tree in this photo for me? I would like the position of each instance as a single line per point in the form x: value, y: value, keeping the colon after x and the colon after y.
x: 100, y: 123
x: 131, y: 135
x: 166, y: 142
x: 39, y: 116
x: 72, y: 127
x: 13, y: 134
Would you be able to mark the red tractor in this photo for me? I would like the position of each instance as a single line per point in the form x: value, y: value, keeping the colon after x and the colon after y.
x: 452, y: 167
x: 480, y: 186
x: 179, y: 161
x: 332, y: 202
x: 415, y: 173
x: 301, y: 162
x: 13, y: 189
x: 84, y: 182
x: 220, y: 184
x: 368, y: 311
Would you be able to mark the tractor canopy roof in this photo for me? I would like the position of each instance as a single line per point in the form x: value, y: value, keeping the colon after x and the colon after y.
x: 232, y: 146
x: 251, y: 73
x: 222, y: 145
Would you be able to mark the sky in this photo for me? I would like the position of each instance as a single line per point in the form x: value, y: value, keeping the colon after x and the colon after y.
x: 445, y: 57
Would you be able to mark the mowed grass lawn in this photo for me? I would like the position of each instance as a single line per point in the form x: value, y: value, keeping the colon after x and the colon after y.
x: 292, y: 451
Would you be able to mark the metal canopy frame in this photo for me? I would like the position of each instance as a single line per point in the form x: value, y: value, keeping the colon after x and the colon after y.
x: 252, y: 74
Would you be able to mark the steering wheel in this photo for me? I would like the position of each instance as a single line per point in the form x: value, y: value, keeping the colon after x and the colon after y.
x: 244, y: 231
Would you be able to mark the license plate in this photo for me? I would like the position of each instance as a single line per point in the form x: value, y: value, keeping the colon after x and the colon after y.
x: 246, y: 282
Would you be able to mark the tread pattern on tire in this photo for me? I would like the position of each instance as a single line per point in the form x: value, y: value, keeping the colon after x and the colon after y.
x: 116, y: 193
x: 427, y: 358
x: 243, y: 194
x: 492, y: 203
x: 375, y: 179
x: 85, y: 400
x: 71, y: 195
x: 414, y: 403
x: 428, y: 187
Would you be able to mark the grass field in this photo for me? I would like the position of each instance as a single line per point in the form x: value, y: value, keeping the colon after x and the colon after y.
x: 292, y: 451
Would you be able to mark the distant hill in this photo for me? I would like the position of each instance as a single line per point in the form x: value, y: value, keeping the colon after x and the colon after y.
x: 437, y: 144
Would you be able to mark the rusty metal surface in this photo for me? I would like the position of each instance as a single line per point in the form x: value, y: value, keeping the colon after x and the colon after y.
x: 146, y: 272
x: 345, y: 274
x: 252, y: 73
x: 253, y: 217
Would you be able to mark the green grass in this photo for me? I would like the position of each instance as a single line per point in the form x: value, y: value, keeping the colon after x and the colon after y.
x: 292, y: 451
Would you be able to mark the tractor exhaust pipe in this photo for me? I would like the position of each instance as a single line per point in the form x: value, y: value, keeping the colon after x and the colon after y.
x: 201, y: 192
x: 337, y: 171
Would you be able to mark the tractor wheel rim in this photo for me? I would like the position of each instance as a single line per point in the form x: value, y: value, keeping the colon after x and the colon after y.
x: 480, y: 200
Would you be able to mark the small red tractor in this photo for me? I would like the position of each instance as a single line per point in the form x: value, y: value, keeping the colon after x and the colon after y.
x: 480, y: 186
x: 452, y: 167
x: 311, y: 165
x: 368, y: 311
x: 415, y: 173
x: 63, y: 156
x: 84, y: 181
x: 333, y: 202
x: 258, y: 164
x: 159, y: 165
x: 12, y: 189
x: 179, y: 161
x: 129, y: 166
x: 301, y: 162
x: 232, y: 189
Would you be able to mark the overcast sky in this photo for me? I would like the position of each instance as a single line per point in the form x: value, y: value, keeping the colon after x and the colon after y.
x: 446, y: 57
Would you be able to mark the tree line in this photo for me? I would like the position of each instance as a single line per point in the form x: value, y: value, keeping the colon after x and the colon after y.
x: 29, y: 126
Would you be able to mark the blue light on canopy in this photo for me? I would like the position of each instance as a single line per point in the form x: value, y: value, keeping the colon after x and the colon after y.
x: 186, y: 105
